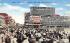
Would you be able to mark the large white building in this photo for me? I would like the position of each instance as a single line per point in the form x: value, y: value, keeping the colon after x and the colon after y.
x: 55, y: 22
x: 47, y: 18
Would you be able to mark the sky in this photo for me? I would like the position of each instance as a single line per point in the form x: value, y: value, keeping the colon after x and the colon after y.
x: 17, y: 8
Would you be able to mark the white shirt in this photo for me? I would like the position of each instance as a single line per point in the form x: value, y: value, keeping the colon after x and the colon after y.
x: 65, y: 40
x: 38, y: 34
x: 26, y: 41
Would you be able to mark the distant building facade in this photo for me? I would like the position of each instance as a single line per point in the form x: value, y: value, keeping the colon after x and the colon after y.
x: 5, y: 20
x: 55, y: 22
x: 44, y: 18
x: 42, y: 11
x: 2, y: 21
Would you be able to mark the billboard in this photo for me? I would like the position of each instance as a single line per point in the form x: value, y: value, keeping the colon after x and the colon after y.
x: 36, y: 19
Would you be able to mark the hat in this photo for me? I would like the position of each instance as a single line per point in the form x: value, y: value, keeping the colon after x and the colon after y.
x: 44, y: 38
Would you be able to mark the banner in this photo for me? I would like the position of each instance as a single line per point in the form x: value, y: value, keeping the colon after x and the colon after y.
x: 36, y: 19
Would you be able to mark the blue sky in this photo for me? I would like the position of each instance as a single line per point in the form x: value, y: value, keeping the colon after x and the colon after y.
x: 17, y: 8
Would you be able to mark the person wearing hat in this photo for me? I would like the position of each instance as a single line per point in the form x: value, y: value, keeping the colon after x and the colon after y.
x: 20, y: 37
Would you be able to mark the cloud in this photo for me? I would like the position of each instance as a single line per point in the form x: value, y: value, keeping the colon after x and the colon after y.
x: 59, y: 10
x: 31, y: 5
x: 40, y: 5
x: 67, y: 13
x: 44, y: 5
x: 0, y: 4
x: 53, y: 3
x: 18, y: 19
x: 67, y: 5
x: 15, y: 11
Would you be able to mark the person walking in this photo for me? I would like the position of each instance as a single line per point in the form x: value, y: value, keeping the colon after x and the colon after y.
x: 19, y: 37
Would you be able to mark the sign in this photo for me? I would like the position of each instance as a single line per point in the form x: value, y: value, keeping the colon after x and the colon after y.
x: 36, y: 19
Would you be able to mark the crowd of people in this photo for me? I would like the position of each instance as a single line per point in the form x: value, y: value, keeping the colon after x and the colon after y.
x: 33, y: 36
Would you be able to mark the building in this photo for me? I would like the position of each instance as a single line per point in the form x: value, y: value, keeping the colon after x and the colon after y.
x: 55, y: 22
x: 45, y: 18
x: 6, y: 17
x: 33, y: 18
x: 42, y: 11
x: 5, y: 20
x: 2, y: 21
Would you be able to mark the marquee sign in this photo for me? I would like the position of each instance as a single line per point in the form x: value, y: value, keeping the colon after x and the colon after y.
x: 36, y: 19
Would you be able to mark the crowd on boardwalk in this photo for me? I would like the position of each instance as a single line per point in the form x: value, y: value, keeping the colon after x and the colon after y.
x: 33, y: 36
